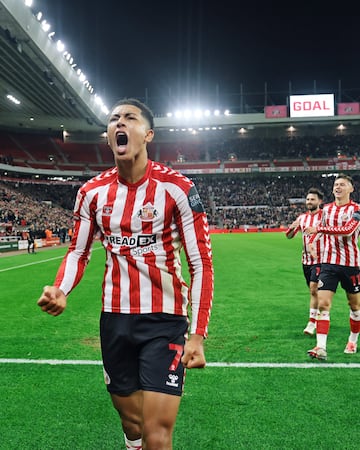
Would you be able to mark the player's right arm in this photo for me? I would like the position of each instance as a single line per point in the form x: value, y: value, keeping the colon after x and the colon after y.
x: 71, y: 270
x: 293, y: 229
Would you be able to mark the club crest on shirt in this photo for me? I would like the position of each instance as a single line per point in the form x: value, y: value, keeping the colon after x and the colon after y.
x: 107, y: 210
x: 147, y: 213
x: 344, y: 217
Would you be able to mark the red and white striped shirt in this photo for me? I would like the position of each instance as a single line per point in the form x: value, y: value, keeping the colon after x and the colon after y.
x: 341, y: 234
x: 143, y: 227
x: 308, y: 220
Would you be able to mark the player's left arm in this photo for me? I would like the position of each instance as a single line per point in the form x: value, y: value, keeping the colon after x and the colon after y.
x: 346, y: 230
x: 194, y: 230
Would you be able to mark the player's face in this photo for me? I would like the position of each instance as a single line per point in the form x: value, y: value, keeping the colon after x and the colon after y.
x: 342, y: 189
x: 128, y: 132
x: 312, y: 202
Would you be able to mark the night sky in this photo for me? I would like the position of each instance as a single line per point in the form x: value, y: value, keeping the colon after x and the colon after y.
x: 200, y: 51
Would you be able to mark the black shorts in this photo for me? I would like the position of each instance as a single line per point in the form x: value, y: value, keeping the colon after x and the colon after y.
x: 332, y: 274
x: 143, y: 352
x: 311, y: 273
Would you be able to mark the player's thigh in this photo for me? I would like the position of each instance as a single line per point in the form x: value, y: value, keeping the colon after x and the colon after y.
x: 159, y: 410
x: 129, y: 407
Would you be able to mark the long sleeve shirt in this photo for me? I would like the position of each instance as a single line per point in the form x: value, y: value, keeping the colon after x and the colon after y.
x: 308, y: 220
x: 143, y: 228
x: 340, y: 227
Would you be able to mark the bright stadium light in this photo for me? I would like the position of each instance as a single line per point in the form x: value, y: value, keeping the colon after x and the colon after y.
x: 60, y: 46
x: 28, y: 3
x: 45, y: 26
x: 13, y: 99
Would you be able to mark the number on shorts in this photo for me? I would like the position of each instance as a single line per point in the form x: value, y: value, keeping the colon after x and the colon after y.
x: 175, y: 362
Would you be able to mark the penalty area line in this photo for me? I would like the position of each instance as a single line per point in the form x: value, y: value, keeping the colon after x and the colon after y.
x: 247, y: 365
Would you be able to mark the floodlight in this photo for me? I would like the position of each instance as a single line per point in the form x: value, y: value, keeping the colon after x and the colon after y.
x: 45, y: 26
x: 60, y: 46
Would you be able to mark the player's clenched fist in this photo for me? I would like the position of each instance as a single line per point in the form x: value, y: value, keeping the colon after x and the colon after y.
x: 194, y: 356
x: 52, y: 300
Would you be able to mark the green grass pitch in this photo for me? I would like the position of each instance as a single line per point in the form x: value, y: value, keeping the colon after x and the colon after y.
x: 258, y: 391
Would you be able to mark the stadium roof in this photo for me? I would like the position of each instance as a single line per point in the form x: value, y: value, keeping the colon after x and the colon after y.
x: 34, y: 72
x: 53, y: 97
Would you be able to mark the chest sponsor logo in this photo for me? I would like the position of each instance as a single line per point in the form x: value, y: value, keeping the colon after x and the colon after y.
x: 141, y: 240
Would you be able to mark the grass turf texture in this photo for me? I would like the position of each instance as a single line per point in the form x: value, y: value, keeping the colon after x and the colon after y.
x: 260, y: 309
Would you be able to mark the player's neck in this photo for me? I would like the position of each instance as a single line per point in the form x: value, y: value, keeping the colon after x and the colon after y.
x: 342, y: 201
x: 133, y: 171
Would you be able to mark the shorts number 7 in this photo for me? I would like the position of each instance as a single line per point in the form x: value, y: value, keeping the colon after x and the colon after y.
x: 179, y: 351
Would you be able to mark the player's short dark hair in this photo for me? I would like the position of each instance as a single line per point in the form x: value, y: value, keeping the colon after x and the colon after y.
x: 145, y: 110
x: 345, y: 177
x: 316, y: 191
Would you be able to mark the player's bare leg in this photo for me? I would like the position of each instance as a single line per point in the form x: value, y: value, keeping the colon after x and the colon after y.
x: 159, y: 412
x: 130, y: 412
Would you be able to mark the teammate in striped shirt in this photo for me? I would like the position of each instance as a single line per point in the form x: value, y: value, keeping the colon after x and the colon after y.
x: 339, y: 264
x: 144, y: 214
x: 310, y: 263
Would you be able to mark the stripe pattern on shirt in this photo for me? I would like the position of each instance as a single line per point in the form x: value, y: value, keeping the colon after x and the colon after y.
x: 143, y: 228
x: 341, y: 250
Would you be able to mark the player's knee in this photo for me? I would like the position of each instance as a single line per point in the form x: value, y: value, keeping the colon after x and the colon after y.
x: 132, y: 428
x: 157, y: 438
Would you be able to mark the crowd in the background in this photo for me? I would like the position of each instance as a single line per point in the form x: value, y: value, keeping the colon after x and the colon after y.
x: 231, y: 201
x: 20, y: 209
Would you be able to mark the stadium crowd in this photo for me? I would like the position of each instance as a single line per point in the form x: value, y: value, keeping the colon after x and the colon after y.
x: 231, y: 201
x: 42, y: 210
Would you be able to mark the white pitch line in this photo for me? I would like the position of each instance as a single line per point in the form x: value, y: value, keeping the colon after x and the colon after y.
x: 39, y: 262
x: 248, y: 365
x: 30, y: 264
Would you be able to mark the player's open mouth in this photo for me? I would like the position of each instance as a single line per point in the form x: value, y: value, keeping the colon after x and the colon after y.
x: 121, y: 139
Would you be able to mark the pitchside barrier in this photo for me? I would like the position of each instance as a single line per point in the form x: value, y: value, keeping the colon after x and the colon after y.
x: 11, y: 243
